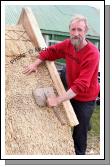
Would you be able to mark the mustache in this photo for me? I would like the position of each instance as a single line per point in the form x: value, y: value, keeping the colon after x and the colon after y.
x: 74, y: 37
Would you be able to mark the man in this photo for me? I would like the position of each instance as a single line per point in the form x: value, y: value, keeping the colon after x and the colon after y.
x: 82, y: 60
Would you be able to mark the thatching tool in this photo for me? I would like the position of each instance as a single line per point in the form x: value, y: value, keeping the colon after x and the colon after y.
x: 41, y: 94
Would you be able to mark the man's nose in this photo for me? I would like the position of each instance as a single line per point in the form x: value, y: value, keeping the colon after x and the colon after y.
x: 76, y: 33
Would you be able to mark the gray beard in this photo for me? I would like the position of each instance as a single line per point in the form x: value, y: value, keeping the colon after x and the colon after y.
x: 76, y: 42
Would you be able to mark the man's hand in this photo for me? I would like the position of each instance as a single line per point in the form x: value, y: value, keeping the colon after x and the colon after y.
x: 29, y: 69
x: 53, y: 101
x: 56, y: 100
x: 32, y: 67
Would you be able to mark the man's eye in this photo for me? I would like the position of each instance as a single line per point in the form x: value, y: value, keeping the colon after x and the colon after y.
x: 79, y: 29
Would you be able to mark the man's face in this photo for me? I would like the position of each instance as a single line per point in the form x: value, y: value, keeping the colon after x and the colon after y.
x: 77, y: 32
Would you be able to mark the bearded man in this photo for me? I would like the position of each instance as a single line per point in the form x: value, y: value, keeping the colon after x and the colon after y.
x: 82, y: 63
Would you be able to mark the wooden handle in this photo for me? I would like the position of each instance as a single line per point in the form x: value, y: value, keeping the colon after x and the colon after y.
x: 58, y: 116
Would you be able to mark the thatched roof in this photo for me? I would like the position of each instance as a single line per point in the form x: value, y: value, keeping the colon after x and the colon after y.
x: 30, y: 129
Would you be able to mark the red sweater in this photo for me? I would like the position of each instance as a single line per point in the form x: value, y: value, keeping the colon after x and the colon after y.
x: 81, y: 67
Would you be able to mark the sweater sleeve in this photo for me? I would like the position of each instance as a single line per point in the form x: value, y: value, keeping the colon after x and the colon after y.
x: 54, y: 52
x: 88, y: 68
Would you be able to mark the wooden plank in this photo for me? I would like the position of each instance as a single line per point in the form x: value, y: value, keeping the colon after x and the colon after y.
x: 30, y: 24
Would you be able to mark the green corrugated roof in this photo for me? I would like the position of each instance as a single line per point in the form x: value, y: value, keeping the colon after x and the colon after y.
x: 55, y: 18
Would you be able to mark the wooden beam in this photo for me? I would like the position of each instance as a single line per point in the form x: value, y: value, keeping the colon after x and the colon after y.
x: 31, y: 26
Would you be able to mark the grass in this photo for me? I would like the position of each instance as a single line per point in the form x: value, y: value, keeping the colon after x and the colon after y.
x: 95, y: 122
x: 93, y: 146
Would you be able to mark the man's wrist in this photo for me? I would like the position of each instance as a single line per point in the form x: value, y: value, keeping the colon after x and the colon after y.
x: 70, y: 94
x: 67, y: 96
x: 38, y: 61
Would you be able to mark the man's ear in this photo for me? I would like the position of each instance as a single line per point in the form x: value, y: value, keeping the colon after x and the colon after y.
x: 86, y: 31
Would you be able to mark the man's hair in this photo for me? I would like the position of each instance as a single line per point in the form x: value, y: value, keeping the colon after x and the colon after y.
x: 80, y: 18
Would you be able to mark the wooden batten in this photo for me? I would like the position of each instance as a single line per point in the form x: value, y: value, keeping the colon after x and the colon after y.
x: 30, y: 25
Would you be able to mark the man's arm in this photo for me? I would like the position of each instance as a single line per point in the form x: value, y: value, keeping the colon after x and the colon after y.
x: 55, y: 101
x: 51, y: 53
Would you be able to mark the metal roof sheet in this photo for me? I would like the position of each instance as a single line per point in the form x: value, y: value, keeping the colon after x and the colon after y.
x: 56, y: 18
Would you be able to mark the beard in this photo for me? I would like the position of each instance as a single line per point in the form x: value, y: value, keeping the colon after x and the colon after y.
x: 76, y: 40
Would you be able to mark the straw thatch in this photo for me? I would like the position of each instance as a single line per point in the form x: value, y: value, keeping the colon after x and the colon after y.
x: 30, y: 129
